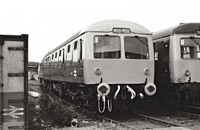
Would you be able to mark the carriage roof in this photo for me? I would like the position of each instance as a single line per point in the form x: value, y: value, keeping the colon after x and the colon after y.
x: 107, y: 26
x: 185, y: 28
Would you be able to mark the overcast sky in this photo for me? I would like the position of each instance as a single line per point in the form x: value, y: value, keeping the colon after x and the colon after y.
x: 51, y: 22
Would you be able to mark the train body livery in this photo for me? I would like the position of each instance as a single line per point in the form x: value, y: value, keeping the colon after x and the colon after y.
x: 110, y: 62
x: 177, y: 63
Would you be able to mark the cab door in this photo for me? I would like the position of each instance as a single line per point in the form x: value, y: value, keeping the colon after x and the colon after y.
x: 162, y: 62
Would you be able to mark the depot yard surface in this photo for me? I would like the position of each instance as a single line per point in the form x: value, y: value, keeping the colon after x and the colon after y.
x: 44, y: 111
x: 34, y: 86
x: 97, y: 128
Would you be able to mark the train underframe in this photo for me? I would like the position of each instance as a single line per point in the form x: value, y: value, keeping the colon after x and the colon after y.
x: 120, y: 97
x: 181, y: 96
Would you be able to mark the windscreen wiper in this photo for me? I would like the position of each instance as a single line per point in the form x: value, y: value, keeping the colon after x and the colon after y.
x: 193, y: 39
x: 102, y: 38
x: 140, y: 40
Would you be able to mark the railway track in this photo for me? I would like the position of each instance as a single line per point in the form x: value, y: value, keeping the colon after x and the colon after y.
x: 105, y: 119
x: 193, y: 110
x: 189, y: 114
x: 150, y: 122
x: 85, y: 115
x: 157, y: 121
x: 171, y: 118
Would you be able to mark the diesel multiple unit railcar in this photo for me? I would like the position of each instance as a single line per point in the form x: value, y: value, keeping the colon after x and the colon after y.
x: 105, y: 66
x: 177, y: 64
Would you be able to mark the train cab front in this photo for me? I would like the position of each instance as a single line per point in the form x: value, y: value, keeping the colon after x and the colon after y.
x: 185, y: 66
x: 120, y: 88
x: 121, y: 66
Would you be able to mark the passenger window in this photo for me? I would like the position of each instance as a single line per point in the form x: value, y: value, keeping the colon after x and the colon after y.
x: 69, y: 53
x: 52, y: 56
x: 68, y: 48
x: 60, y: 53
x: 56, y: 55
x: 81, y: 51
x: 161, y: 51
x: 75, y: 45
x: 75, y: 53
x: 63, y: 56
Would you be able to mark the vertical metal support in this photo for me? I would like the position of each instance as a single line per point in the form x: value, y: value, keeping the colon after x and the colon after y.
x: 25, y: 39
x: 1, y: 86
x: 81, y: 49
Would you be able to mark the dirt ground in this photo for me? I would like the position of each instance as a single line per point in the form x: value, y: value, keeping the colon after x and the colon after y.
x: 35, y: 86
x: 82, y: 125
x: 118, y: 128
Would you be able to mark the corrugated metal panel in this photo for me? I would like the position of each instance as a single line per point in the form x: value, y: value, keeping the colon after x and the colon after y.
x: 13, y: 77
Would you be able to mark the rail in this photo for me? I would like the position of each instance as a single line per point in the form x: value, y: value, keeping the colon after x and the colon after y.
x: 157, y: 121
x: 96, y: 116
x: 188, y: 114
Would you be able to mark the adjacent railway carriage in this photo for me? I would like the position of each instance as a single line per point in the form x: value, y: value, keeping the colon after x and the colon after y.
x: 177, y: 61
x: 108, y: 64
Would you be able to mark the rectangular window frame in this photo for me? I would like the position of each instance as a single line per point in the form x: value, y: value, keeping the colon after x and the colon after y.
x: 52, y: 57
x: 60, y: 52
x: 148, y: 53
x: 68, y: 48
x: 120, y: 44
x: 187, y: 51
x: 56, y: 55
x: 75, y: 45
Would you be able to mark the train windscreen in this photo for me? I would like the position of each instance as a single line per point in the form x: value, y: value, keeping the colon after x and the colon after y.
x: 190, y: 48
x: 107, y: 47
x: 136, y: 47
